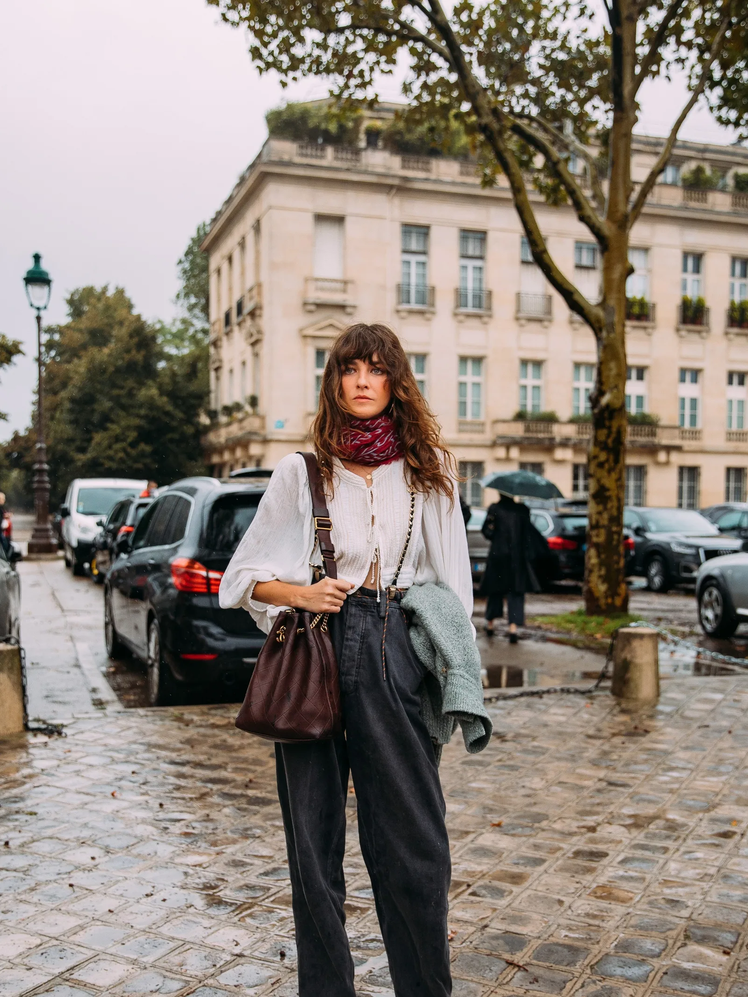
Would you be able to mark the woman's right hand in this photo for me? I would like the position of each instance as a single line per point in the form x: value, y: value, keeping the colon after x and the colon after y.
x: 326, y: 595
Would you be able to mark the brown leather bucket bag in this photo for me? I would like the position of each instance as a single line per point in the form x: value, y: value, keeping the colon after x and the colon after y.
x: 294, y: 694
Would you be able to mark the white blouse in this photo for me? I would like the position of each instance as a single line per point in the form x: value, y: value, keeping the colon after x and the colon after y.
x: 369, y: 525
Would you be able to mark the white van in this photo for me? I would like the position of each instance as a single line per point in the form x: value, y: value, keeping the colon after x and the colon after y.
x: 88, y: 501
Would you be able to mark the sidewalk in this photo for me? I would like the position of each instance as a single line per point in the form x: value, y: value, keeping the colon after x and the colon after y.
x: 594, y: 853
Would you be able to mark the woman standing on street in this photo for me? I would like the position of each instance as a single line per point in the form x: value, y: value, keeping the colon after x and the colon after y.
x: 515, y: 546
x: 382, y: 460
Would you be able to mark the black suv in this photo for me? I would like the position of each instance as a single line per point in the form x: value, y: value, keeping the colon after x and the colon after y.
x: 670, y: 545
x: 730, y: 518
x: 161, y: 594
x: 112, y: 537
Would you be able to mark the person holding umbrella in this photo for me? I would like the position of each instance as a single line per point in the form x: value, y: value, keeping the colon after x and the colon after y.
x: 516, y: 546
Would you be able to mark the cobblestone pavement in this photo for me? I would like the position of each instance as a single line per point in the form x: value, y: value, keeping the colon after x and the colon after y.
x: 595, y: 852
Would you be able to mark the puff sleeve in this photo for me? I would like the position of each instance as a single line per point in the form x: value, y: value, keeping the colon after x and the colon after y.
x: 277, y: 545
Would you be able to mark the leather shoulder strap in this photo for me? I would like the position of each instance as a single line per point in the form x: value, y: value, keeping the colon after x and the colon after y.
x: 322, y: 521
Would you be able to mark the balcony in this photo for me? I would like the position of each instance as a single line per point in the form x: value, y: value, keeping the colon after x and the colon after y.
x: 736, y: 436
x: 737, y: 319
x: 253, y: 300
x: 693, y: 316
x: 472, y: 302
x: 241, y: 427
x: 416, y: 164
x: 415, y: 298
x: 329, y: 291
x: 640, y: 313
x: 534, y: 308
x: 576, y: 435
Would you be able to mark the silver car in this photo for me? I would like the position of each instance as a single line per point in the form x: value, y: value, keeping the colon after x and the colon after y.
x: 722, y: 594
x: 10, y: 593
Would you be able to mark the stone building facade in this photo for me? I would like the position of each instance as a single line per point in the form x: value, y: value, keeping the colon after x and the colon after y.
x: 314, y: 237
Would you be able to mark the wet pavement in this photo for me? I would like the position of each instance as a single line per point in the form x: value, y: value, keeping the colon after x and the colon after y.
x: 595, y: 853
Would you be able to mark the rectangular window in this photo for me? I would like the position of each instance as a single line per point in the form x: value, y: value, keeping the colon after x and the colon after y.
x: 534, y: 467
x: 530, y: 386
x: 471, y: 491
x: 734, y: 484
x: 243, y: 382
x: 470, y: 388
x: 525, y: 254
x: 230, y: 400
x: 472, y: 262
x: 320, y: 360
x: 688, y: 487
x: 635, y: 492
x: 584, y: 379
x: 328, y: 247
x: 636, y: 390
x: 414, y: 265
x: 671, y: 175
x: 227, y: 320
x: 417, y: 363
x: 736, y: 399
x: 637, y: 283
x: 739, y: 279
x: 239, y: 308
x: 580, y: 481
x: 689, y: 397
x: 690, y: 284
x: 587, y: 270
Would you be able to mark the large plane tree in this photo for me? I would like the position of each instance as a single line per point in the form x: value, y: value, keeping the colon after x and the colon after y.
x: 536, y: 82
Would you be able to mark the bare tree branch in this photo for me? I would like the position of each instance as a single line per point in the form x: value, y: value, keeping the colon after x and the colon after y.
x: 406, y: 32
x: 657, y: 41
x: 494, y: 125
x: 585, y: 212
x: 575, y: 146
x: 661, y: 162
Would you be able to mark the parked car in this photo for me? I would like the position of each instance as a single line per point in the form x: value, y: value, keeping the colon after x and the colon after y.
x: 478, y: 546
x: 87, y: 502
x: 161, y: 594
x: 730, y: 518
x: 565, y: 532
x: 671, y: 544
x: 722, y: 594
x: 109, y: 541
x: 10, y: 592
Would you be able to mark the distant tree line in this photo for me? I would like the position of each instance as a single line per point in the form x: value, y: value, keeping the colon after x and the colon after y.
x: 123, y: 397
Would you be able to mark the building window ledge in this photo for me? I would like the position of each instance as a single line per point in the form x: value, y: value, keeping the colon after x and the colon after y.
x: 471, y: 426
x: 638, y: 325
x: 534, y: 308
x: 736, y: 436
x: 686, y: 330
x: 330, y: 292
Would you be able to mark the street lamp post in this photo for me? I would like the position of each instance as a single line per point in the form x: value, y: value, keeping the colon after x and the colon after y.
x: 38, y: 288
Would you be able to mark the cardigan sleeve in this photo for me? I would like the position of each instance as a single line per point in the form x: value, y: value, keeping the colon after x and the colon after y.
x: 277, y: 545
x: 445, y: 555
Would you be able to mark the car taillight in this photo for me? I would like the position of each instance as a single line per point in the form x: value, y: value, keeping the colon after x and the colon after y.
x: 628, y: 543
x: 124, y: 530
x: 561, y: 543
x: 189, y: 575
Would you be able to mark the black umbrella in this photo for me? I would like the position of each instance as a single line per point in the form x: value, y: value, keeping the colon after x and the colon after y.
x: 523, y: 483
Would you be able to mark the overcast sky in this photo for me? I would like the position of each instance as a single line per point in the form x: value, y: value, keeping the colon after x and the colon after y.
x: 123, y: 126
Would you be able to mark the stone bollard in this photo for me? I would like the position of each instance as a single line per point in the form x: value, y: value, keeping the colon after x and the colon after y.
x: 636, y: 671
x: 11, y: 690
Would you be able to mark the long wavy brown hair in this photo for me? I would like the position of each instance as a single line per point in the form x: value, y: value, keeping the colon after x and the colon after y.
x: 431, y: 465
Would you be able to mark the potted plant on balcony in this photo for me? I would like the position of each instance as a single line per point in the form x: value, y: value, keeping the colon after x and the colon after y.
x: 738, y: 315
x: 637, y: 310
x: 643, y: 419
x: 522, y: 415
x: 740, y: 183
x: 693, y: 310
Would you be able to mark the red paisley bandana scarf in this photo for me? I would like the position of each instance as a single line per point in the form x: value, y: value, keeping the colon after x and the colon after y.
x: 371, y: 441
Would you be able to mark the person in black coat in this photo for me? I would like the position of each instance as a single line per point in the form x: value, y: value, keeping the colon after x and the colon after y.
x: 515, y: 548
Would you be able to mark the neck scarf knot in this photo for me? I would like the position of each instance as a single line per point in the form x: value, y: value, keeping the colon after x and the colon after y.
x: 371, y: 441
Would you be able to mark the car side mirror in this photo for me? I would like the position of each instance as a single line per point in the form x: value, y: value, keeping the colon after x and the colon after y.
x: 14, y: 554
x: 64, y: 511
x: 640, y: 531
x: 123, y: 544
x: 100, y: 522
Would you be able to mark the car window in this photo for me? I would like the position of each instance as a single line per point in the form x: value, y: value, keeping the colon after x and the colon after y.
x: 572, y: 523
x: 631, y: 519
x: 729, y: 520
x: 117, y: 515
x: 228, y: 522
x: 158, y: 532
x: 99, y: 501
x: 136, y: 512
x: 174, y: 529
x: 541, y: 522
x: 140, y: 536
x: 678, y: 521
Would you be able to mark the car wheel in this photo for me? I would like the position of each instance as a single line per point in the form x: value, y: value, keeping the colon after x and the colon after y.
x: 162, y: 686
x: 658, y: 576
x: 66, y: 551
x: 716, y: 615
x: 77, y: 566
x: 114, y: 646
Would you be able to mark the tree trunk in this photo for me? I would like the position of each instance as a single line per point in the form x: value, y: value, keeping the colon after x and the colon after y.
x: 605, y: 589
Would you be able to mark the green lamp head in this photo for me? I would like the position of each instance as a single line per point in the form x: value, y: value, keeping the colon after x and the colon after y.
x: 38, y: 284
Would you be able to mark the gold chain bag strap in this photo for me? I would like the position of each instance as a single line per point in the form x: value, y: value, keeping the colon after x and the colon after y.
x: 294, y: 694
x: 391, y: 589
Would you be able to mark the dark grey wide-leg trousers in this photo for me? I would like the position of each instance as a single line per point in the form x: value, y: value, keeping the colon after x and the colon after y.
x: 387, y: 749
